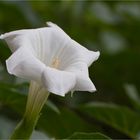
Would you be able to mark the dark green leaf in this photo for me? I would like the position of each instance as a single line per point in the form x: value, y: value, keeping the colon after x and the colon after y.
x: 133, y: 95
x: 63, y: 124
x: 88, y: 136
x: 118, y: 117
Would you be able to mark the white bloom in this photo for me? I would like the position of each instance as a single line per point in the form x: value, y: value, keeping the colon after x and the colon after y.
x: 51, y: 58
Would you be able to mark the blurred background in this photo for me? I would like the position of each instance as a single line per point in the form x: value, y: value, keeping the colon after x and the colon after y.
x: 113, y: 28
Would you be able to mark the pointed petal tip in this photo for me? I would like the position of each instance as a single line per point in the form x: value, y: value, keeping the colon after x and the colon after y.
x: 9, y: 69
x: 60, y: 93
x: 92, y: 87
x: 94, y: 57
x: 50, y: 24
x: 1, y: 36
x: 97, y: 55
x: 93, y: 90
x: 58, y: 82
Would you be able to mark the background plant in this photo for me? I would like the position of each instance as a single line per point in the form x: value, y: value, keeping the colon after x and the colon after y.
x: 111, y: 27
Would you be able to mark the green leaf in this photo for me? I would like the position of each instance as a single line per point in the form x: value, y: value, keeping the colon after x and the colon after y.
x: 133, y: 95
x: 61, y: 125
x: 11, y: 97
x: 118, y: 117
x: 62, y: 119
x: 52, y: 106
x: 90, y: 136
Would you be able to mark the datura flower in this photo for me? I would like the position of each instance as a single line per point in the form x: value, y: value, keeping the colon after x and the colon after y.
x: 51, y: 58
x: 53, y: 62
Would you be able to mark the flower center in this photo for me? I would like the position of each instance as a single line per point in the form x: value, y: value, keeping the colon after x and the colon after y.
x: 55, y: 63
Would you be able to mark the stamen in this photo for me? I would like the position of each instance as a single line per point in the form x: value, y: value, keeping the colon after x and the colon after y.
x: 55, y: 63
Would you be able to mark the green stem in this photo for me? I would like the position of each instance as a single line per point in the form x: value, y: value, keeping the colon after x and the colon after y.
x: 36, y: 99
x: 23, y: 130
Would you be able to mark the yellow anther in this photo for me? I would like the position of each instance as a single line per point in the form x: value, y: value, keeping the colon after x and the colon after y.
x: 55, y: 63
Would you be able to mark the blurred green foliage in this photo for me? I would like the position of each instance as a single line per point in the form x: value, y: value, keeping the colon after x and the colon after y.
x: 113, y: 28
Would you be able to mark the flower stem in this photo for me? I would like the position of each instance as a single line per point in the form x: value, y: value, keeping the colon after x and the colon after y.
x: 36, y: 99
x: 23, y: 130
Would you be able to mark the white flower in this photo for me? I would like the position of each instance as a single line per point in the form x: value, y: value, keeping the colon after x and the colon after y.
x: 51, y: 58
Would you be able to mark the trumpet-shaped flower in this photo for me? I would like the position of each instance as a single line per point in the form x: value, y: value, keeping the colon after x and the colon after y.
x: 51, y: 58
x: 53, y: 62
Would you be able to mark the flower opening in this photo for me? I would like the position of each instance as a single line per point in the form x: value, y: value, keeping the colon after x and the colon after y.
x: 51, y: 58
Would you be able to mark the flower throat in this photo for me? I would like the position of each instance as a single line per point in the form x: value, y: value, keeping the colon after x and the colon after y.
x: 55, y: 63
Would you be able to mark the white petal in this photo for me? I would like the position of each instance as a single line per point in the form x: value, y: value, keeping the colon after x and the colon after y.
x: 46, y: 42
x: 1, y: 36
x: 23, y: 64
x: 73, y: 53
x: 83, y: 82
x: 14, y: 39
x: 35, y: 48
x: 58, y: 82
x: 58, y: 30
x: 78, y: 68
x: 88, y: 56
x: 51, y: 41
